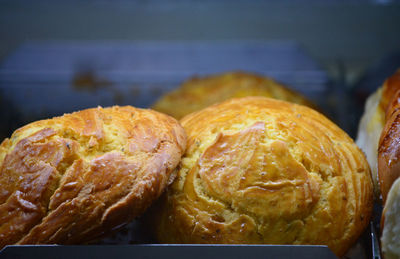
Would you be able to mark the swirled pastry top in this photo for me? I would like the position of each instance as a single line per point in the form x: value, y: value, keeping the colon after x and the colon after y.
x: 72, y: 178
x: 198, y: 93
x: 259, y: 170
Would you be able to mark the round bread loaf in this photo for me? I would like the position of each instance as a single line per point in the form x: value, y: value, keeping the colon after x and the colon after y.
x: 390, y: 223
x: 198, y: 93
x: 258, y: 170
x: 72, y: 178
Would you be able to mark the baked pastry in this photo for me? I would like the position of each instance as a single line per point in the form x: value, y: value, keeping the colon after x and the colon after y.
x: 379, y: 137
x: 390, y: 223
x: 369, y: 131
x: 198, y: 93
x: 258, y: 170
x: 389, y: 142
x: 72, y: 178
x: 379, y: 134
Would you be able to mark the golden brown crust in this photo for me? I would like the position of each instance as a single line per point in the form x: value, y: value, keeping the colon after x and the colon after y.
x: 68, y: 179
x: 259, y: 170
x: 391, y: 88
x: 198, y: 93
x: 389, y: 148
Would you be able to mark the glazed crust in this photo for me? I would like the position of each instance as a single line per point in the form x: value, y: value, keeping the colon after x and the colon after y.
x: 198, y: 93
x: 389, y: 148
x: 73, y: 178
x: 259, y: 170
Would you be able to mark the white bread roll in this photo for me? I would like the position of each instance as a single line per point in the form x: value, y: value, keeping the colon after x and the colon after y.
x: 391, y: 223
x: 369, y: 131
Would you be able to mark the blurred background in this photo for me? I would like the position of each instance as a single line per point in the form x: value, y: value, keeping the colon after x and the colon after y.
x: 59, y: 56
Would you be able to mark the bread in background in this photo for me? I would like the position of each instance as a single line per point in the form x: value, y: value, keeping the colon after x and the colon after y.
x: 199, y: 92
x: 263, y: 171
x: 70, y: 179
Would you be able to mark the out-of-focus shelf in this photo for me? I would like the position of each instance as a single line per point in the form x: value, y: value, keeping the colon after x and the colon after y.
x: 44, y: 79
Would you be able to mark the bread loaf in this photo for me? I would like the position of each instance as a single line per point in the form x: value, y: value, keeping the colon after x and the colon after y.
x: 369, y: 132
x: 70, y: 179
x: 379, y: 134
x: 390, y: 223
x: 389, y: 142
x: 382, y: 145
x: 263, y: 171
x: 198, y: 93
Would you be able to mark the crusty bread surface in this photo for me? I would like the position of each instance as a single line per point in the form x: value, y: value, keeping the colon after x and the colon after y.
x: 73, y: 178
x: 263, y: 171
x: 200, y: 92
x: 389, y: 142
